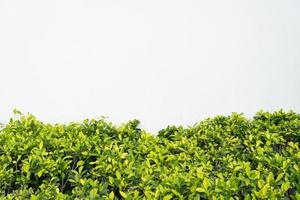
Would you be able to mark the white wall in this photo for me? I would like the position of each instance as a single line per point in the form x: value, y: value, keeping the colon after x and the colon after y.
x: 163, y: 62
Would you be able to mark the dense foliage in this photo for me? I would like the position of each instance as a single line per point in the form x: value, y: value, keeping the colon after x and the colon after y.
x: 228, y: 157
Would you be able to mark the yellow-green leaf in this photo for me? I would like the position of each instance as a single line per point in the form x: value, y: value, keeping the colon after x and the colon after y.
x: 123, y: 194
x: 206, y: 183
x: 200, y: 173
x: 264, y: 190
x: 200, y: 190
x: 118, y: 175
x: 124, y: 155
x: 285, y: 186
x: 82, y: 181
x: 270, y: 178
x: 237, y: 168
x: 111, y: 180
x: 41, y: 145
x: 26, y: 168
x: 296, y: 167
x: 40, y: 173
x: 80, y: 163
x: 111, y: 195
x: 135, y: 194
x: 260, y: 183
x: 167, y: 197
x: 279, y: 177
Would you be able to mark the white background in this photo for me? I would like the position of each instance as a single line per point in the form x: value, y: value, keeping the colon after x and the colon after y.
x: 162, y: 62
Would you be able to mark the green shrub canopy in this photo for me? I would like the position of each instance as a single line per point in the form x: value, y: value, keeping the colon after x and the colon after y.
x: 225, y: 157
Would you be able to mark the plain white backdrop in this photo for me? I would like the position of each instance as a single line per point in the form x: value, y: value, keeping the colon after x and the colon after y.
x: 162, y: 62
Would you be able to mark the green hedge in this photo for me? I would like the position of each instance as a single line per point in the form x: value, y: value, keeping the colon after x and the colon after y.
x: 225, y: 157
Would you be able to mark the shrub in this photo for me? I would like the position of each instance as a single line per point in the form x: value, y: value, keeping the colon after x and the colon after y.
x: 225, y: 157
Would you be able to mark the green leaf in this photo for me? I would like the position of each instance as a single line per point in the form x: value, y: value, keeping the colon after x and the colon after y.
x: 200, y: 190
x: 80, y: 163
x: 82, y: 137
x: 270, y: 178
x: 26, y: 168
x: 206, y: 183
x: 253, y: 174
x: 168, y: 197
x: 279, y: 177
x: 175, y: 192
x: 33, y: 197
x: 111, y: 180
x: 16, y: 112
x: 124, y: 155
x: 285, y: 186
x: 260, y: 183
x: 135, y: 193
x: 82, y: 181
x: 263, y: 192
x: 296, y: 167
x: 111, y: 195
x: 284, y: 164
x: 118, y: 175
x: 248, y: 197
x: 40, y: 173
x: 237, y: 168
x: 41, y: 145
x: 123, y: 194
x: 200, y: 173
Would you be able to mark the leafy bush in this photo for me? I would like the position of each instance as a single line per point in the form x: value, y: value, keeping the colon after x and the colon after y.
x: 218, y: 158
